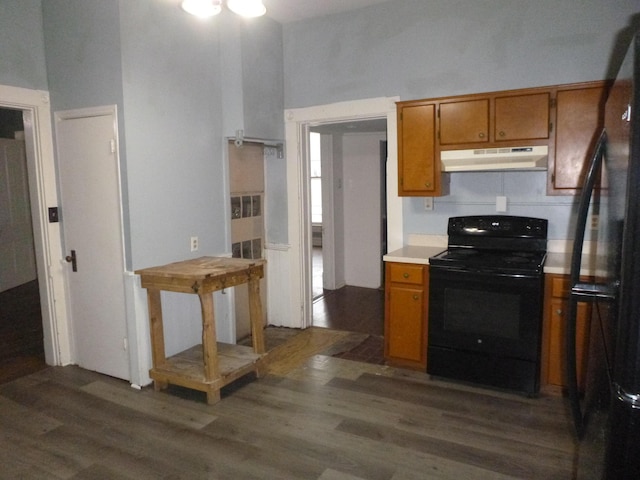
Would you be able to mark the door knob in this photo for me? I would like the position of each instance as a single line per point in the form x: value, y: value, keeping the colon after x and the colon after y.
x: 72, y: 260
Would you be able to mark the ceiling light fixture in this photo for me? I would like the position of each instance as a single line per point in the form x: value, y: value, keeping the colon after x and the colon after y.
x: 209, y: 8
x: 247, y: 8
x: 202, y: 8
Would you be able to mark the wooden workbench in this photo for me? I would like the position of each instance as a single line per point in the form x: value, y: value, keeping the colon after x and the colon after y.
x: 212, y: 365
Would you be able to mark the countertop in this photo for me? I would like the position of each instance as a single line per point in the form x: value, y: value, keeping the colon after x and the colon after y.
x: 413, y: 254
x: 557, y: 262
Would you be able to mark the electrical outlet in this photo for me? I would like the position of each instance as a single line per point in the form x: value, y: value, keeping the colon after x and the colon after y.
x: 595, y: 221
x: 194, y: 244
x: 428, y: 204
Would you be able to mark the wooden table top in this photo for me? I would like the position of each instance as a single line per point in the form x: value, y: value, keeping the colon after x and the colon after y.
x: 203, y: 268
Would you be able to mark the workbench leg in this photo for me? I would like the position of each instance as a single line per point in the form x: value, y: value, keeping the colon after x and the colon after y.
x: 213, y: 396
x: 158, y: 356
x: 209, y: 340
x: 255, y: 315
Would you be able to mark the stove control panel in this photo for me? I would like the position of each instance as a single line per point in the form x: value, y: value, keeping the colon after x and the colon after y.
x: 498, y: 226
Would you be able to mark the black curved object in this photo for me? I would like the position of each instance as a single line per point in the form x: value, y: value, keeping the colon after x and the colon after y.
x: 577, y: 293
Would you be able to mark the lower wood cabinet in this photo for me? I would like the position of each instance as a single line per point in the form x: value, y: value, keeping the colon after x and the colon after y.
x: 406, y: 313
x: 555, y: 312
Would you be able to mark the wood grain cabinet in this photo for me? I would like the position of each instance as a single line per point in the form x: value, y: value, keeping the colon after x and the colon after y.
x: 464, y: 121
x: 418, y: 165
x: 566, y: 118
x: 579, y: 117
x: 498, y: 117
x: 406, y: 310
x: 522, y: 117
x: 555, y: 311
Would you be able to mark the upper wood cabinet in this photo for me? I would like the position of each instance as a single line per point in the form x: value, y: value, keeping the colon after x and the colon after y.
x: 522, y: 117
x: 484, y: 121
x: 464, y: 121
x: 579, y: 117
x: 565, y: 118
x: 418, y: 166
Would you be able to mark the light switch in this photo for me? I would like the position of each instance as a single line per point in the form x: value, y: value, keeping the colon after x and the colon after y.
x: 501, y: 204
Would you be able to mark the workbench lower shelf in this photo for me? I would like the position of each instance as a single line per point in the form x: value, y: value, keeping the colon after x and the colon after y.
x: 186, y: 369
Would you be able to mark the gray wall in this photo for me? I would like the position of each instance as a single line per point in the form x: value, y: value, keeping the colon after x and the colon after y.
x: 427, y: 48
x: 22, y: 61
x: 174, y: 143
x: 430, y: 48
x: 83, y: 58
x: 181, y: 86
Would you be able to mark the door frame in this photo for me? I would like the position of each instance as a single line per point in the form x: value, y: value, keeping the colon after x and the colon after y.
x: 330, y: 280
x: 50, y: 265
x: 297, y: 124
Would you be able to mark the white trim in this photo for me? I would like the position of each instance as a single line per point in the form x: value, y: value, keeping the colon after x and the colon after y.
x: 328, y: 214
x: 278, y: 301
x: 297, y: 122
x: 43, y: 192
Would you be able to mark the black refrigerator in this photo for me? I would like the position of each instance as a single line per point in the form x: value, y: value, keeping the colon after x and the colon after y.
x: 605, y: 410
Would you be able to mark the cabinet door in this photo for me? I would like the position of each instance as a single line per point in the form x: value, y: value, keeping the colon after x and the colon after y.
x: 464, y: 122
x: 579, y: 114
x: 417, y: 173
x: 522, y: 117
x: 405, y: 325
x: 557, y: 334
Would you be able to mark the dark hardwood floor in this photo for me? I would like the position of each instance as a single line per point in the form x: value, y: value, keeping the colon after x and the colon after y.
x: 353, y: 309
x: 21, y: 344
x: 327, y: 419
x: 311, y: 416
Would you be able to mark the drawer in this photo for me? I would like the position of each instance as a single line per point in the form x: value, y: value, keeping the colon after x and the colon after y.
x: 406, y: 273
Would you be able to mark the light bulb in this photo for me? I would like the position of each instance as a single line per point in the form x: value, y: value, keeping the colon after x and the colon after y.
x: 202, y: 8
x: 247, y: 8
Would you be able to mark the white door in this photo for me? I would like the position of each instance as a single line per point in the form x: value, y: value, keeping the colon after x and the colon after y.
x: 92, y: 228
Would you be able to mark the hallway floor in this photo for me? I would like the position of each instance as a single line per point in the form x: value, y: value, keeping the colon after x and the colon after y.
x: 350, y: 309
x: 21, y: 344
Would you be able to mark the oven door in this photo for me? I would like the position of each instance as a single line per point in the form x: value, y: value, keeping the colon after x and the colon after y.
x: 486, y: 313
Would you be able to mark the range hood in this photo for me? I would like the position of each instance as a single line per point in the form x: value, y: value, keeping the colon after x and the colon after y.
x: 486, y: 159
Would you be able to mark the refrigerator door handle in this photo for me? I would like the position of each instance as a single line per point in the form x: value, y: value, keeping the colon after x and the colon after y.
x: 590, y: 292
x: 571, y: 372
x: 630, y: 399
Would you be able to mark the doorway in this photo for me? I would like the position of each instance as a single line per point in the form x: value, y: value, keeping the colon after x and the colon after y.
x: 36, y: 115
x: 347, y: 178
x: 296, y: 294
x: 21, y: 331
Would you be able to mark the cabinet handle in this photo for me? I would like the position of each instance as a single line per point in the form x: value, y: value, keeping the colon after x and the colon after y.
x: 481, y: 134
x: 428, y: 185
x: 559, y: 311
x: 502, y: 134
x: 405, y: 275
x: 415, y: 297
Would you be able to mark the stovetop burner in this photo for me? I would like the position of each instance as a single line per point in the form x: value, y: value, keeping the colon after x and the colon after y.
x: 495, y: 243
x: 491, y: 261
